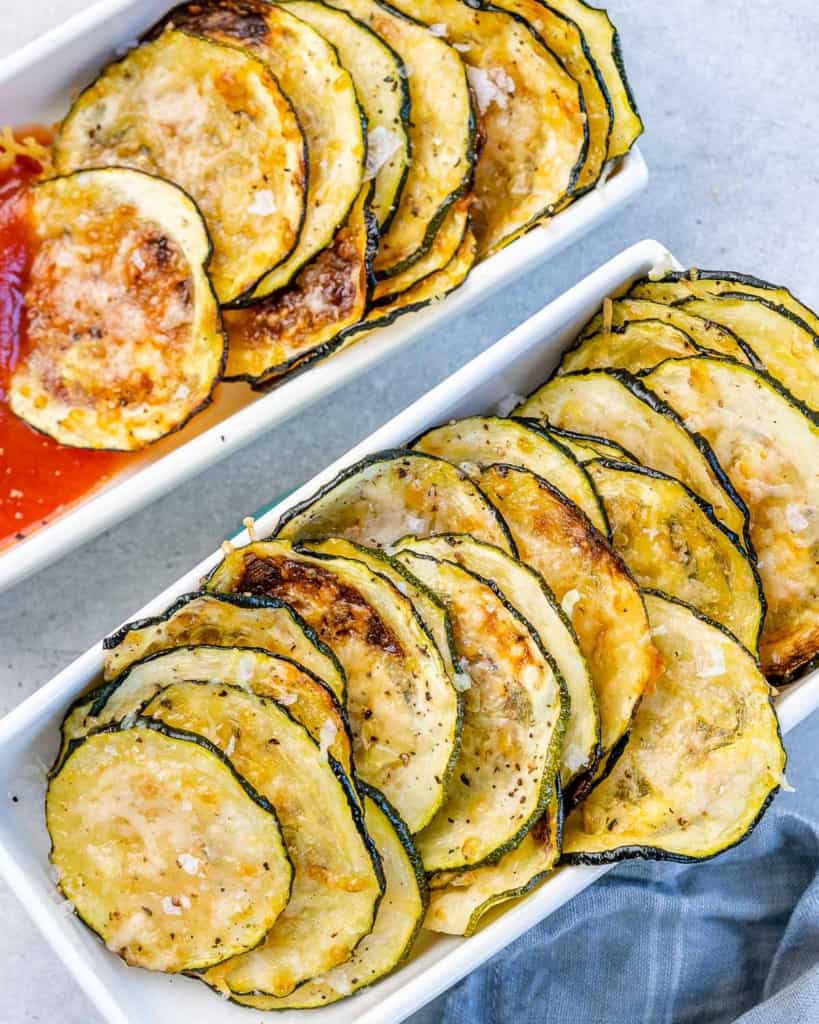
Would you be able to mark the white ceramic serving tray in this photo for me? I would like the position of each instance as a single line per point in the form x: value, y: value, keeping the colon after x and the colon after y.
x: 36, y: 85
x: 28, y: 736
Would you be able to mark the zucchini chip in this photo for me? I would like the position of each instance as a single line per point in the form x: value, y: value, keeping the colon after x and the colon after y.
x: 225, y: 620
x: 620, y: 407
x: 528, y: 593
x: 307, y: 320
x: 769, y: 446
x: 400, y: 915
x: 531, y: 112
x: 441, y: 131
x: 459, y: 900
x: 404, y: 710
x: 597, y: 592
x: 166, y: 108
x: 146, y: 824
x: 637, y: 345
x: 393, y: 493
x: 672, y: 542
x: 586, y: 447
x: 380, y: 79
x: 515, y: 711
x: 125, y: 343
x: 703, y: 760
x: 337, y: 879
x: 479, y: 441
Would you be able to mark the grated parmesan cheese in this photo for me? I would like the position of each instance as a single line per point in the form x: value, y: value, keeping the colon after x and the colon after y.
x: 171, y: 907
x: 795, y: 518
x: 494, y: 86
x: 570, y: 599
x: 381, y: 145
x: 710, y: 663
x: 188, y: 863
x: 439, y: 29
x: 264, y: 203
x: 327, y: 734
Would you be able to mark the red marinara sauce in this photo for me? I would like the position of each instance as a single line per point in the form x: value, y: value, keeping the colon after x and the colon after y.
x: 38, y: 477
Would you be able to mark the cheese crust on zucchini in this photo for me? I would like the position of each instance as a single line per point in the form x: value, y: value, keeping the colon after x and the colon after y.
x: 637, y: 345
x: 586, y: 447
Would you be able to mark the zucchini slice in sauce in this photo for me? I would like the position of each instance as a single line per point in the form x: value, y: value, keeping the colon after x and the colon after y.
x: 226, y: 620
x: 380, y: 79
x: 479, y: 441
x: 337, y: 878
x: 597, y: 592
x: 672, y: 542
x: 324, y: 98
x: 531, y: 111
x: 306, y: 320
x: 769, y: 446
x: 528, y: 593
x: 637, y: 345
x: 146, y: 825
x: 441, y: 131
x: 515, y: 714
x: 393, y: 493
x: 618, y: 406
x: 164, y: 108
x: 404, y: 710
x: 459, y: 900
x: 399, y: 919
x: 703, y: 760
x: 586, y: 447
x: 125, y: 343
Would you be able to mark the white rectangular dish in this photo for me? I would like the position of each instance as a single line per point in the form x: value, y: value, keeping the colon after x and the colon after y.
x: 28, y: 735
x: 36, y: 85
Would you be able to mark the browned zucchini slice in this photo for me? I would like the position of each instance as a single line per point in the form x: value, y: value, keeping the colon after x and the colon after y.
x: 703, y: 760
x: 404, y: 710
x: 125, y: 343
x: 165, y: 108
x: 337, y: 879
x: 146, y: 825
x: 769, y: 446
x: 586, y: 447
x: 635, y: 346
x: 393, y: 493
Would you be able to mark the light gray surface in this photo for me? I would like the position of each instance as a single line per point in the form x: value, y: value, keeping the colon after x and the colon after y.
x: 730, y: 97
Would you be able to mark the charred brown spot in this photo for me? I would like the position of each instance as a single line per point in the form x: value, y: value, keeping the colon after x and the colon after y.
x: 244, y: 21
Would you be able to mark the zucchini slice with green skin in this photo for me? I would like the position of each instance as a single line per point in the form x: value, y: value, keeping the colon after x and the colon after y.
x: 586, y: 447
x: 515, y: 713
x: 380, y: 79
x: 704, y: 758
x: 637, y: 345
x: 163, y: 108
x: 531, y: 111
x: 618, y: 406
x: 460, y: 900
x: 672, y: 542
x: 337, y: 878
x: 399, y: 919
x: 324, y: 98
x: 528, y: 593
x: 769, y: 447
x: 442, y: 133
x: 478, y: 441
x: 146, y: 824
x: 393, y: 493
x: 405, y: 712
x: 592, y: 584
x: 125, y: 342
x: 225, y: 620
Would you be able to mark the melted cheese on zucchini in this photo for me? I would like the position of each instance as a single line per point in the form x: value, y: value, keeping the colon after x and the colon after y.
x: 635, y: 346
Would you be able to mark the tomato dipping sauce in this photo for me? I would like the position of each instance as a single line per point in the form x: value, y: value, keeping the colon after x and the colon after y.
x: 38, y: 477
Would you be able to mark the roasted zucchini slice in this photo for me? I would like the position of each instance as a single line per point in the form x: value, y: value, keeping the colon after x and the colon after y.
x: 637, y: 345
x: 239, y: 151
x: 586, y: 447
x: 703, y: 760
x: 306, y: 320
x: 404, y: 710
x: 479, y: 441
x: 459, y: 900
x: 769, y: 447
x: 400, y: 915
x: 531, y: 112
x: 381, y: 84
x: 672, y: 542
x: 125, y: 343
x: 620, y: 407
x: 441, y: 132
x: 337, y: 878
x: 146, y: 824
x: 597, y: 592
x: 393, y: 493
x: 515, y: 712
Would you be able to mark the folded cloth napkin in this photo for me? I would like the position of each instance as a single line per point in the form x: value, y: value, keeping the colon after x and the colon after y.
x: 734, y: 939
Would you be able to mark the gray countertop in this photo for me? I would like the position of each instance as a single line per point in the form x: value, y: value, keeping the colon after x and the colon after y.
x: 730, y: 98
